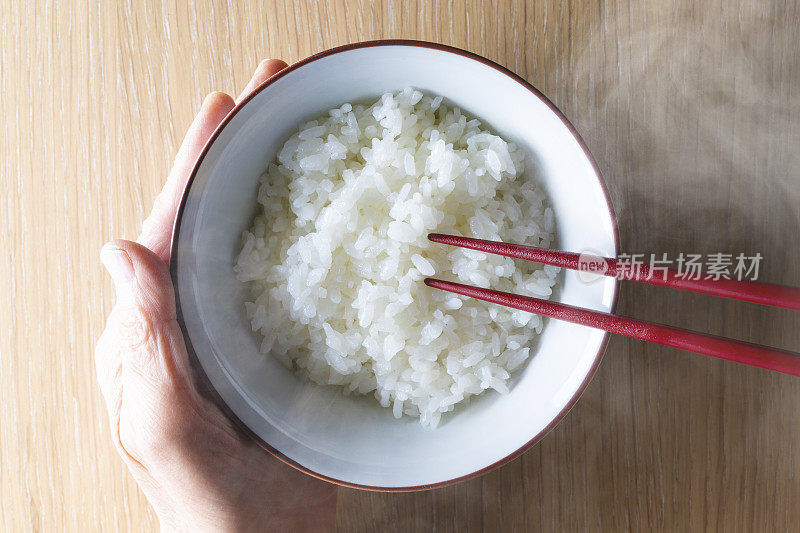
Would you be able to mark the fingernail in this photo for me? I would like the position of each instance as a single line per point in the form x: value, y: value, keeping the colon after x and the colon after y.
x: 118, y: 264
x: 263, y: 64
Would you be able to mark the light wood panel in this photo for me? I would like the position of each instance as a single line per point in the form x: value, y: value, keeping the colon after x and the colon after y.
x: 691, y: 109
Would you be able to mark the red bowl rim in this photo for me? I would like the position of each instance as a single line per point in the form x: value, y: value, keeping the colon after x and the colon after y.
x: 205, y: 383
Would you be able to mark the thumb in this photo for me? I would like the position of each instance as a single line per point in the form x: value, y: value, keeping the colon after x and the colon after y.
x: 141, y: 280
x: 142, y: 364
x: 142, y: 332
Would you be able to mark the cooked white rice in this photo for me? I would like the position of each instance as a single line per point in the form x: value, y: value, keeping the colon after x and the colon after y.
x: 338, y: 253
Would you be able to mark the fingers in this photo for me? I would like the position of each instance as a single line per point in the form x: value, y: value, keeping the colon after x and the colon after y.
x: 266, y: 69
x: 157, y: 228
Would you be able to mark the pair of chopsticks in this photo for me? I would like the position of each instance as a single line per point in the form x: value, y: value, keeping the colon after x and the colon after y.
x: 775, y: 359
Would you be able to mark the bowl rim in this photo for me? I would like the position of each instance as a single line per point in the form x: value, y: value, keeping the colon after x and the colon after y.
x: 204, y: 383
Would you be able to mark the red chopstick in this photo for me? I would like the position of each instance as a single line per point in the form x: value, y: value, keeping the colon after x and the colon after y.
x: 732, y: 350
x: 748, y: 291
x: 747, y: 353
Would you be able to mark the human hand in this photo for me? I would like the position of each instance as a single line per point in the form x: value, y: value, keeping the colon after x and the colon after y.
x: 196, y: 470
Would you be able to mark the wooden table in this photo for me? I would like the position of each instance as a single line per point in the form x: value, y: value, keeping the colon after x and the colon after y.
x: 692, y: 110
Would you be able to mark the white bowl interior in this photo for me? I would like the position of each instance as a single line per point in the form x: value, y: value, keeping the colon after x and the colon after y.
x: 353, y: 439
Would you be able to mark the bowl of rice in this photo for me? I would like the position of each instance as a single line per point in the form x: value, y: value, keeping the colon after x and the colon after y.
x: 300, y: 250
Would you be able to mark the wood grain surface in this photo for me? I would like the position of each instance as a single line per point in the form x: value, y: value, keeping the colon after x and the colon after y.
x: 692, y: 110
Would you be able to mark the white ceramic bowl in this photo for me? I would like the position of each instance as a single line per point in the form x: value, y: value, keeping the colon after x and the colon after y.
x: 352, y: 440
